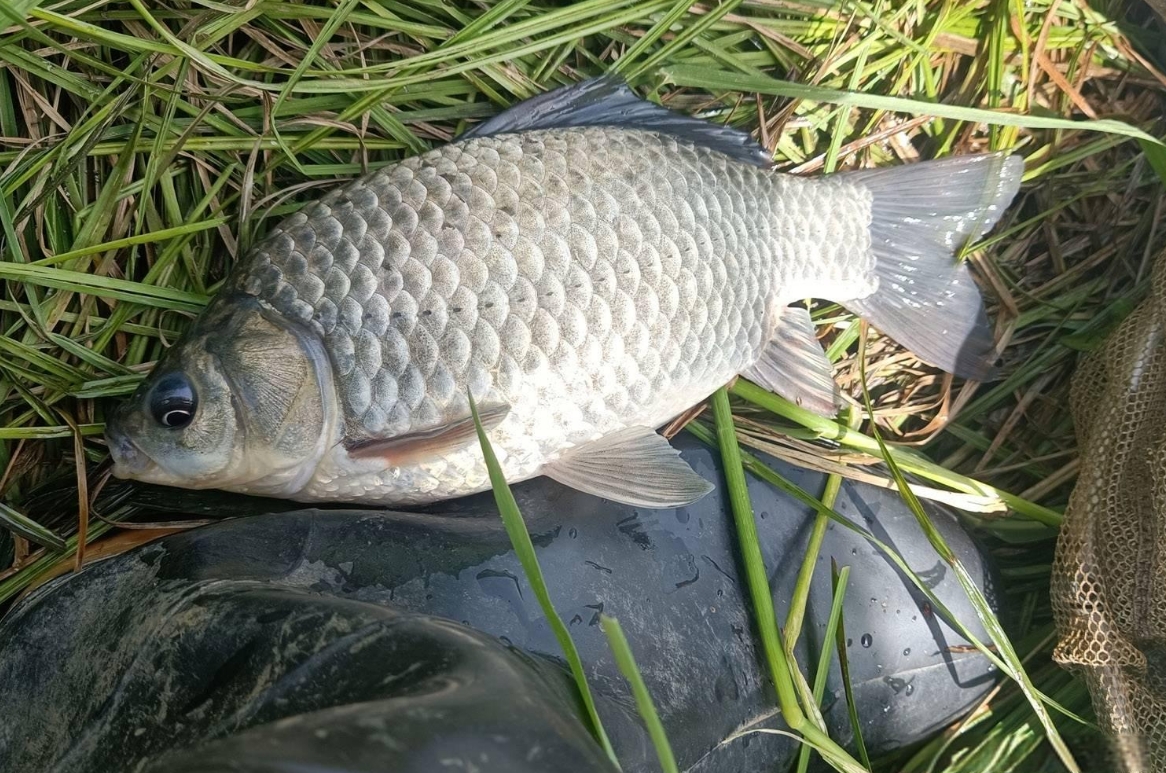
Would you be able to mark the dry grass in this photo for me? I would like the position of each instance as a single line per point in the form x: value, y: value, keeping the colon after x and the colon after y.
x: 143, y: 146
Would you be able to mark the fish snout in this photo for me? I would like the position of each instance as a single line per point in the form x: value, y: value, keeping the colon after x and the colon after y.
x: 128, y: 460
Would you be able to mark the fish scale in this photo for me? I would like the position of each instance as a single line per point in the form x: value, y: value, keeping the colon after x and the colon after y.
x: 589, y: 278
x: 587, y: 266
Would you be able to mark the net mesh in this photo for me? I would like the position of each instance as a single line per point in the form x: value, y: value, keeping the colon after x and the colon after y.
x: 1109, y: 576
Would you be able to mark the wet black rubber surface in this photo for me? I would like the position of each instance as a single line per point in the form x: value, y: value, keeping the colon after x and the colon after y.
x: 378, y: 641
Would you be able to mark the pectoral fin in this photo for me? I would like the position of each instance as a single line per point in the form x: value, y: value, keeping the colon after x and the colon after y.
x: 634, y: 466
x: 794, y: 366
x: 405, y: 449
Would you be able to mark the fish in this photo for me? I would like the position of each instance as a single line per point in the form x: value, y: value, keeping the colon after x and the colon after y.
x: 584, y: 266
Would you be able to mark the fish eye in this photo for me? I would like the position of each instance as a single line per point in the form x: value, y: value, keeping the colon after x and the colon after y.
x: 173, y: 402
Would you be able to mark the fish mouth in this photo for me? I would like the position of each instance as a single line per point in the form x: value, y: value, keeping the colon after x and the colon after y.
x: 129, y: 461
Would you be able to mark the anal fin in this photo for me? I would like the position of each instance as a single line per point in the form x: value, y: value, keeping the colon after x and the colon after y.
x: 633, y: 466
x: 401, y: 450
x: 794, y: 366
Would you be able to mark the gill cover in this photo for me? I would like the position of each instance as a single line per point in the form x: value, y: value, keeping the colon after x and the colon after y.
x: 257, y: 388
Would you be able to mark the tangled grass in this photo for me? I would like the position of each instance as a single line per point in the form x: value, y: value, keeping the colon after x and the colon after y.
x: 144, y: 146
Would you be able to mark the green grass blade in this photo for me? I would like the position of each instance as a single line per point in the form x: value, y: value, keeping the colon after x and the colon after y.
x: 627, y: 666
x: 1156, y: 156
x: 756, y: 578
x: 983, y: 609
x: 32, y: 531
x: 713, y: 80
x: 844, y: 667
x: 757, y: 581
x: 755, y: 466
x: 27, y: 575
x: 710, y: 18
x: 162, y: 234
x: 828, y: 429
x: 649, y: 38
x: 48, y: 432
x: 524, y: 549
x: 104, y: 287
x: 823, y: 669
x: 338, y: 17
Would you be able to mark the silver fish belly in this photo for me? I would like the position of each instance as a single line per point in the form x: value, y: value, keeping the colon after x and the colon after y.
x: 590, y: 279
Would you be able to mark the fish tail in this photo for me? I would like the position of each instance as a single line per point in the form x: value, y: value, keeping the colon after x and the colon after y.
x: 921, y: 215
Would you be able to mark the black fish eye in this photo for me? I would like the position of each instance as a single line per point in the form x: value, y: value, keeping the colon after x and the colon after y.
x: 173, y: 402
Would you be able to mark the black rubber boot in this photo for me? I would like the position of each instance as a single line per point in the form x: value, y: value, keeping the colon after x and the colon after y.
x: 382, y: 641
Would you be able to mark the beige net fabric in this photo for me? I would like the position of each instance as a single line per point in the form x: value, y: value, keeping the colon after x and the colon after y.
x: 1109, y: 576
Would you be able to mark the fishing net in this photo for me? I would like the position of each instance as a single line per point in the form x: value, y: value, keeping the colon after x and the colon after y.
x: 1109, y: 576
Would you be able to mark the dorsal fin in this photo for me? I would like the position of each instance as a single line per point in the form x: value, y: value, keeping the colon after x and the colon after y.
x: 608, y: 101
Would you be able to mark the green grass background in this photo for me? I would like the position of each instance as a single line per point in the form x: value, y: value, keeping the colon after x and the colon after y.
x: 145, y: 145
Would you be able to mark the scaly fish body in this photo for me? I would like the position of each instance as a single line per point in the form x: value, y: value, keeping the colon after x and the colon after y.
x: 588, y: 278
x: 584, y: 280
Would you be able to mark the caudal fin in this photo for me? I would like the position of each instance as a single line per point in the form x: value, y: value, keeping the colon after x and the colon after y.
x: 921, y: 214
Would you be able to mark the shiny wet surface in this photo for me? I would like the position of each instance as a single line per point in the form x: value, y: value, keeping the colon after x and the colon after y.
x: 415, y: 633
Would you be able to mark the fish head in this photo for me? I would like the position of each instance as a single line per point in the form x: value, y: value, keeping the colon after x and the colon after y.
x: 244, y: 402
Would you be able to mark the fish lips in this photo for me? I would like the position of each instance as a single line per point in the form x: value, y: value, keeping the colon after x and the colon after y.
x: 129, y: 461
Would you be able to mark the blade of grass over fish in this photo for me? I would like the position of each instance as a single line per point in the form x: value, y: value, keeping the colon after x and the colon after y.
x: 757, y: 581
x: 823, y: 669
x: 700, y: 77
x: 32, y: 531
x: 524, y: 549
x: 984, y: 612
x: 627, y: 666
